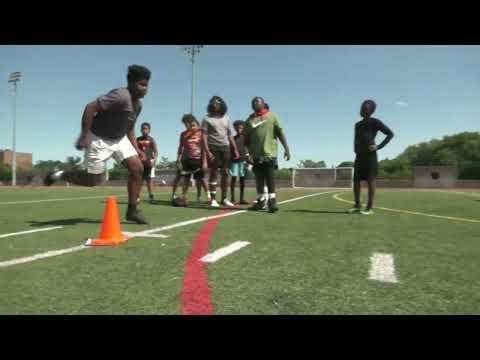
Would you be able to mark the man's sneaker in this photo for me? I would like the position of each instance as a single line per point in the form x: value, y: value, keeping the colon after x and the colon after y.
x: 258, y: 205
x: 354, y: 210
x: 53, y: 176
x: 272, y: 205
x: 227, y: 203
x: 151, y: 198
x: 176, y: 202
x: 367, y: 212
x: 48, y: 180
x: 137, y: 217
x: 214, y: 203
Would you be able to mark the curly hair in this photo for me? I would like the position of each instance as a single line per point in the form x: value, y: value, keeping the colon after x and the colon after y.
x: 188, y: 118
x: 146, y: 124
x: 237, y: 123
x: 137, y: 73
x: 217, y: 100
x: 255, y: 99
x: 372, y: 103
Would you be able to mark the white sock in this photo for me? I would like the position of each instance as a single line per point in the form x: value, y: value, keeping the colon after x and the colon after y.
x: 57, y: 175
x: 272, y: 196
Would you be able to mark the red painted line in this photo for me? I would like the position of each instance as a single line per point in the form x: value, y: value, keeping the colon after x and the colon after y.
x: 196, y: 294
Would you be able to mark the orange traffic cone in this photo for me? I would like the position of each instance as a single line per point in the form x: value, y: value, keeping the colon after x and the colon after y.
x: 111, y: 234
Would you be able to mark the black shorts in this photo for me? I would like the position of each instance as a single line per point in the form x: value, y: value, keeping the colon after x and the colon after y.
x: 147, y: 172
x: 222, y: 159
x: 366, y: 167
x: 264, y: 163
x: 192, y: 166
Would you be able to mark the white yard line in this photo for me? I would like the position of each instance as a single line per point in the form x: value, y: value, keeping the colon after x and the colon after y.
x: 53, y: 200
x: 194, y: 221
x: 68, y: 199
x: 40, y: 256
x: 30, y: 231
x: 222, y: 252
x: 142, y: 233
x: 382, y: 268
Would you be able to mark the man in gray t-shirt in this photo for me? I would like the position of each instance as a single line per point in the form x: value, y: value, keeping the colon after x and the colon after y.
x: 108, y: 125
x: 217, y: 142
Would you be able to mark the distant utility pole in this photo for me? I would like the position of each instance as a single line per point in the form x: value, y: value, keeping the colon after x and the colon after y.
x: 192, y: 52
x: 14, y: 78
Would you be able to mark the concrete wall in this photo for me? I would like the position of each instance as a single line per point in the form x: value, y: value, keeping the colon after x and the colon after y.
x: 425, y: 176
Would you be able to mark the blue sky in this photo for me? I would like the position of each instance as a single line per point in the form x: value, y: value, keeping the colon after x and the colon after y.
x: 422, y: 92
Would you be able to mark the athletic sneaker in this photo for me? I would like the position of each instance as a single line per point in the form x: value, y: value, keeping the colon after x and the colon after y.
x: 367, y: 212
x: 48, y: 180
x: 227, y: 203
x: 354, y: 210
x: 150, y: 196
x: 176, y: 202
x: 272, y: 205
x: 258, y: 205
x: 214, y: 203
x: 137, y: 217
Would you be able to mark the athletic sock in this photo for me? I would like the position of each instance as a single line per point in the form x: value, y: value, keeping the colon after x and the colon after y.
x: 213, y: 195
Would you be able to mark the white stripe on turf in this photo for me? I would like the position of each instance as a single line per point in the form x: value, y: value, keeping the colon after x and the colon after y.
x: 142, y: 233
x: 68, y: 199
x: 30, y: 231
x: 222, y: 252
x: 382, y: 268
x: 194, y: 221
x: 40, y: 256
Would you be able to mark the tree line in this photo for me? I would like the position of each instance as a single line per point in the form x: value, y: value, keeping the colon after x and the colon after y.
x: 461, y: 150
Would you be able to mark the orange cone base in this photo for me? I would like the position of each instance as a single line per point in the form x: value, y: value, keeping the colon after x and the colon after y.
x: 109, y: 241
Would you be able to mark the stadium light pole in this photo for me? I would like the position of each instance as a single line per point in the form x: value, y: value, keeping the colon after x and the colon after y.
x: 192, y: 52
x: 14, y: 78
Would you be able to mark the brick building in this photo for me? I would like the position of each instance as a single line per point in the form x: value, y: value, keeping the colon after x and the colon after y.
x: 24, y: 160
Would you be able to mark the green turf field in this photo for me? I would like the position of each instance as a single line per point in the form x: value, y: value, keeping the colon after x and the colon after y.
x: 310, y: 258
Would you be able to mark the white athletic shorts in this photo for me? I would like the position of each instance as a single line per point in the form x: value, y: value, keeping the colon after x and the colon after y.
x: 101, y: 150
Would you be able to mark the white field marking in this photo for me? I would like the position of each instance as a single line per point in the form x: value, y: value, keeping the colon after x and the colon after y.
x: 147, y: 232
x: 30, y: 231
x: 413, y: 212
x: 41, y: 256
x: 67, y: 199
x: 53, y: 200
x: 222, y: 252
x: 194, y: 221
x: 307, y: 196
x: 140, y: 234
x: 474, y: 194
x: 382, y: 268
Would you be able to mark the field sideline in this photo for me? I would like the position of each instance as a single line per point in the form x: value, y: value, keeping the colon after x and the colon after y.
x: 417, y: 255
